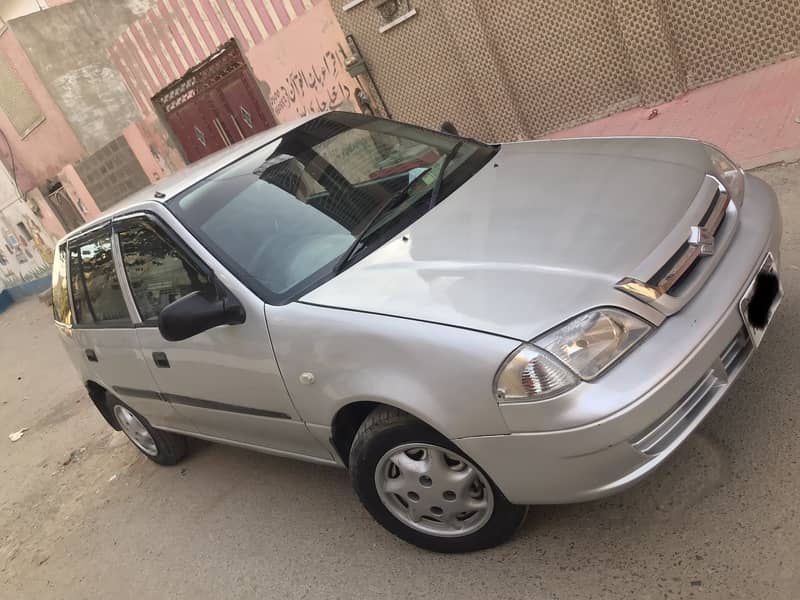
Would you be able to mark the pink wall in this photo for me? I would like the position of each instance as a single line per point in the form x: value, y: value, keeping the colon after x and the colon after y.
x: 294, y: 47
x: 52, y: 144
x: 47, y: 217
x: 303, y: 66
x: 152, y: 147
x: 753, y: 116
x: 78, y: 193
x: 175, y: 35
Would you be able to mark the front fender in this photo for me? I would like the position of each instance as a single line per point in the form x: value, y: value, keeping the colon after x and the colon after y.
x: 440, y: 374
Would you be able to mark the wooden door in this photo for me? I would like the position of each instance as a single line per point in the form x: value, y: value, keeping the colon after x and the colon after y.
x: 216, y: 104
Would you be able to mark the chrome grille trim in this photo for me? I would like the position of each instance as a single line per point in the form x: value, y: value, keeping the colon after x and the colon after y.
x: 716, y: 212
x: 711, y: 386
x: 668, y: 288
x: 686, y: 257
x: 683, y: 260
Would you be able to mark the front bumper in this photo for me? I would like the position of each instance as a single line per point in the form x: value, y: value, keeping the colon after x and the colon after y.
x: 673, y: 380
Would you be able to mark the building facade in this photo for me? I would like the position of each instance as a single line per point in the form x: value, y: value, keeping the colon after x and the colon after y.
x: 518, y: 69
x: 100, y: 98
x: 25, y: 245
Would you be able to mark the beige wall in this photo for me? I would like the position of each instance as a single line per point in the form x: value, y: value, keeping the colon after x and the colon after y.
x: 520, y: 68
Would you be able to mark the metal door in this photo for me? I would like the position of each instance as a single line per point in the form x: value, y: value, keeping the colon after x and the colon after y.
x: 245, y: 114
x: 217, y: 103
x: 192, y: 124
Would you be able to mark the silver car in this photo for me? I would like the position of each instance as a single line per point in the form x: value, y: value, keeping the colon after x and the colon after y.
x: 468, y: 329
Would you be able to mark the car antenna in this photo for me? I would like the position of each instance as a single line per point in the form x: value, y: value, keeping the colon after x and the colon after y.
x: 160, y: 195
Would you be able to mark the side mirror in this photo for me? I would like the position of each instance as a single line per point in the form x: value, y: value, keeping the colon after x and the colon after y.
x: 196, y: 313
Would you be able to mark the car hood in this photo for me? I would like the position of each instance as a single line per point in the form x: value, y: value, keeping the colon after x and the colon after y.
x: 540, y: 234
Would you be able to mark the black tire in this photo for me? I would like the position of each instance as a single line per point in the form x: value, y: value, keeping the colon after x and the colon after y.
x: 170, y: 447
x: 386, y: 428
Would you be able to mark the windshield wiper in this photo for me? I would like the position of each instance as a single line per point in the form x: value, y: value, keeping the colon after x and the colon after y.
x: 393, y: 202
x: 437, y: 187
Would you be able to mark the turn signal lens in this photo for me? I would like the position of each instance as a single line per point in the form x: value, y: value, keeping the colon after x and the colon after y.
x: 728, y: 172
x: 530, y: 374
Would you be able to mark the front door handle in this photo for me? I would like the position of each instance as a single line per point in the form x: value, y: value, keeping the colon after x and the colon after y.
x: 91, y: 355
x: 160, y: 358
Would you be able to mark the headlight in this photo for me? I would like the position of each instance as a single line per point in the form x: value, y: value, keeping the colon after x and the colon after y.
x: 728, y: 172
x: 580, y: 349
x: 592, y: 342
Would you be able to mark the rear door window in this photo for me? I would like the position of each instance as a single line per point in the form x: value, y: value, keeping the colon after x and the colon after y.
x: 96, y: 294
x: 158, y: 271
x: 62, y: 311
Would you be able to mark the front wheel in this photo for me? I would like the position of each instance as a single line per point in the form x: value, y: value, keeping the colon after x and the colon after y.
x: 159, y: 446
x: 422, y: 488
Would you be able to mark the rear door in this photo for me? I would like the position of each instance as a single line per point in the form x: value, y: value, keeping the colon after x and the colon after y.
x: 103, y: 332
x: 226, y: 379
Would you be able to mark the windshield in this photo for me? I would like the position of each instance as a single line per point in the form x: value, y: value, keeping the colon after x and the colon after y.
x: 282, y: 217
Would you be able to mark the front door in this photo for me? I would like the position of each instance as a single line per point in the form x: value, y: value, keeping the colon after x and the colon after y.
x: 225, y: 380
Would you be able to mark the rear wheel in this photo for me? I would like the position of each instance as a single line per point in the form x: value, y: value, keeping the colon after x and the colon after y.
x: 425, y: 490
x: 159, y: 446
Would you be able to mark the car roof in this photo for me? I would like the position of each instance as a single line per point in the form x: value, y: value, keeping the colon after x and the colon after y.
x: 163, y: 190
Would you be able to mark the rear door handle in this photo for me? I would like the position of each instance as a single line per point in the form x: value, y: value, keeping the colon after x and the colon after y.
x: 91, y: 355
x: 160, y: 358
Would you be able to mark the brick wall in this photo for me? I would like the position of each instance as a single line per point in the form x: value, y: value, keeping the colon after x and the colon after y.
x: 112, y: 173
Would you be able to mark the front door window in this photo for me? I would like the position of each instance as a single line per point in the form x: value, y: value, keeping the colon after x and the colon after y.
x: 158, y: 271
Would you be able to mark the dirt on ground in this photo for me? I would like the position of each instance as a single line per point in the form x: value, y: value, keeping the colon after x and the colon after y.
x: 84, y: 515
